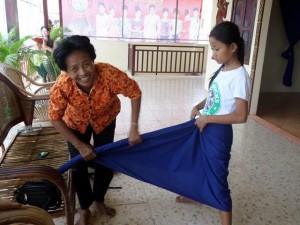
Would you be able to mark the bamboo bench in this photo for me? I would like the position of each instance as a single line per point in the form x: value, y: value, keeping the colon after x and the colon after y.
x: 20, y: 159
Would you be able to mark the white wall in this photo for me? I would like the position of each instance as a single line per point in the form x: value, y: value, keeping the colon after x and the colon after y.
x: 275, y: 65
x: 113, y: 52
x: 260, y: 58
x: 116, y: 52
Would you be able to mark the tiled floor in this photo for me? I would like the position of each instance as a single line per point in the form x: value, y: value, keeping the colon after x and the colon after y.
x: 264, y: 171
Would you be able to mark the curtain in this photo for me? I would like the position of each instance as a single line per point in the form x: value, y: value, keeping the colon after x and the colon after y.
x: 290, y: 11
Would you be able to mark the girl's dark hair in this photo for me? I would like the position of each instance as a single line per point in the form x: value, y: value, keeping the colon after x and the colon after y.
x: 228, y: 32
x: 70, y: 45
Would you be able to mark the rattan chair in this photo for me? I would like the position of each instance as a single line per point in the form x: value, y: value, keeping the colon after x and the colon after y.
x: 30, y: 88
x: 25, y: 215
x: 20, y: 160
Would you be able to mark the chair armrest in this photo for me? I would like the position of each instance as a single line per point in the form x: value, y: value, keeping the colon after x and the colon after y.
x: 26, y: 214
x: 34, y: 96
x: 40, y: 172
x: 48, y: 84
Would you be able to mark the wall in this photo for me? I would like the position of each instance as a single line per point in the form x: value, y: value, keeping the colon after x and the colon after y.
x: 116, y: 52
x: 113, y: 52
x: 261, y: 51
x: 275, y: 65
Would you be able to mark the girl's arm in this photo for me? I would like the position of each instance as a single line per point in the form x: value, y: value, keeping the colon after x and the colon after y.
x: 195, y: 110
x: 238, y: 116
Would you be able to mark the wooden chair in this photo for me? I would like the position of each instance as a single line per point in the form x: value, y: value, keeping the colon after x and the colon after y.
x: 27, y: 214
x: 20, y: 160
x: 30, y: 88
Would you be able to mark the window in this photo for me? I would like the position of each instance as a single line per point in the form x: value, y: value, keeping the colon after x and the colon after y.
x: 3, y: 26
x: 139, y: 20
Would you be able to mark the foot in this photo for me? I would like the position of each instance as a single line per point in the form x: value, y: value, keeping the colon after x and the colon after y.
x: 182, y: 199
x: 103, y: 209
x: 84, y: 217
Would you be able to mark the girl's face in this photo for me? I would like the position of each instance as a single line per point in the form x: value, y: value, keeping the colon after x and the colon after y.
x: 138, y: 14
x: 222, y: 53
x: 112, y: 12
x: 165, y: 14
x: 80, y: 67
x: 101, y: 9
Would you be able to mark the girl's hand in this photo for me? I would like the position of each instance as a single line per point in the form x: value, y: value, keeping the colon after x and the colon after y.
x: 201, y: 122
x: 194, y: 113
x: 86, y: 151
x: 134, y: 135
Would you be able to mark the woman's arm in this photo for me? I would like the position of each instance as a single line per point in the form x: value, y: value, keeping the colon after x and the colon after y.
x: 238, y: 116
x: 86, y: 150
x: 134, y: 136
x: 46, y: 47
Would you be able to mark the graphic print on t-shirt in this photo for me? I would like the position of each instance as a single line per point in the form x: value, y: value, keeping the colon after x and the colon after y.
x: 213, y: 101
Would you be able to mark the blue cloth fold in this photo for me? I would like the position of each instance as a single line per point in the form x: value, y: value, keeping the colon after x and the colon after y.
x: 179, y: 158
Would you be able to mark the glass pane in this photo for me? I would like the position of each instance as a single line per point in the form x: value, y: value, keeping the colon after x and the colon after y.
x: 31, y: 17
x: 190, y: 14
x: 239, y: 11
x: 139, y: 20
x: 152, y: 21
x: 245, y: 36
x: 3, y: 26
x: 78, y: 16
x: 53, y: 13
x: 250, y: 12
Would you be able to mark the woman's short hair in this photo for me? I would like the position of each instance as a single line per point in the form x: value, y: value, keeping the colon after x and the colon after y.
x: 70, y: 45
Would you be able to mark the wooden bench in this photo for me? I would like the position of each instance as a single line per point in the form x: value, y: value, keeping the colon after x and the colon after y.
x: 20, y: 160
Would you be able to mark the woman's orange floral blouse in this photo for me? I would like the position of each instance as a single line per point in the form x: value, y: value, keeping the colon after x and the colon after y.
x: 99, y: 108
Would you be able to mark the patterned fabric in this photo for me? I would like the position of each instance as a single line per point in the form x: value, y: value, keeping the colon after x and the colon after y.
x: 100, y: 107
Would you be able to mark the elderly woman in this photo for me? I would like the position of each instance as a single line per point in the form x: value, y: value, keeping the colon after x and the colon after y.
x: 84, y: 104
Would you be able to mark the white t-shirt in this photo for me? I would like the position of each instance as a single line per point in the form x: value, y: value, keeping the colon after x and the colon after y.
x: 226, y: 87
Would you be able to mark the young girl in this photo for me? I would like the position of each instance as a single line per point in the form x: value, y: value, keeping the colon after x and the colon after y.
x: 226, y: 104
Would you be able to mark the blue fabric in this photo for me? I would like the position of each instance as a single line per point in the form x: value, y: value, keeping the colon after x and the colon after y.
x: 179, y: 158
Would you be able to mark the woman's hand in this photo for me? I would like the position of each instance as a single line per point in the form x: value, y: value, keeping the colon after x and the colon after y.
x: 134, y: 135
x: 201, y: 122
x: 195, y: 112
x: 86, y: 151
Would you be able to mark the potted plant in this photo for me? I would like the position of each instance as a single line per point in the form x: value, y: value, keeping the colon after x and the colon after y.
x: 29, y: 59
x: 44, y: 61
x: 13, y: 51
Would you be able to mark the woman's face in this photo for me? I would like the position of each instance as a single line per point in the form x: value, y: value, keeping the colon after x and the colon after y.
x: 45, y: 32
x: 80, y: 67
